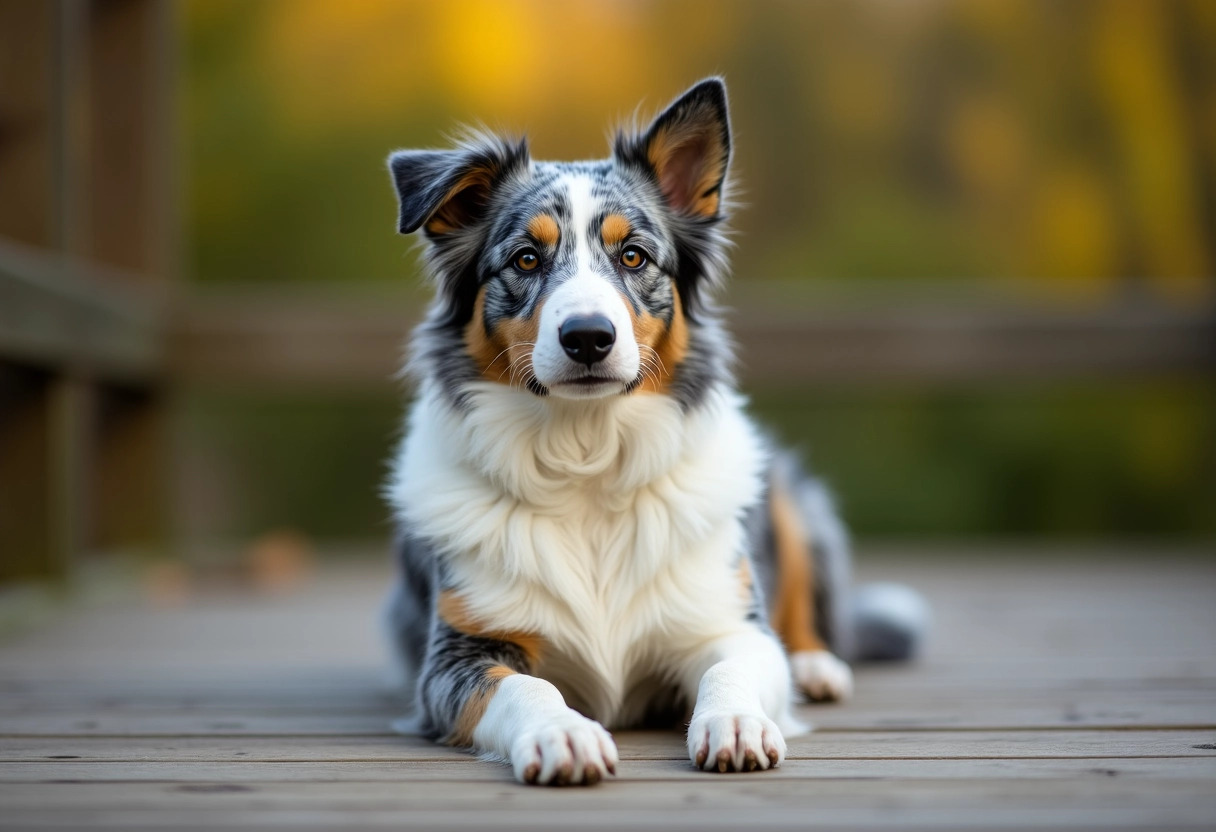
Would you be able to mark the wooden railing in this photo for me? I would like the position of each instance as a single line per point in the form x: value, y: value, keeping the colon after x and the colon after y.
x: 87, y: 226
x: 314, y: 338
x: 83, y: 368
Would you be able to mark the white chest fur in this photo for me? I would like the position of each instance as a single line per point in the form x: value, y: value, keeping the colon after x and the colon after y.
x: 609, y: 528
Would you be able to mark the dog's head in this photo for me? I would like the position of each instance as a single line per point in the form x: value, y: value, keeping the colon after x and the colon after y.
x: 581, y: 280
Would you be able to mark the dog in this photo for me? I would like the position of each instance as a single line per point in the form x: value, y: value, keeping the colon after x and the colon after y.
x: 592, y: 531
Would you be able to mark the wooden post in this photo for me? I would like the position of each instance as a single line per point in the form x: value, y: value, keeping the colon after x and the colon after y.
x: 25, y: 472
x: 70, y: 408
x: 87, y: 244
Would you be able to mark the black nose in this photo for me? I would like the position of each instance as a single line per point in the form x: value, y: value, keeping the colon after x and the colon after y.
x: 587, y: 340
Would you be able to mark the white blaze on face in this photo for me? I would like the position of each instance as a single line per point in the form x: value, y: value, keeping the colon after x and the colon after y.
x: 586, y: 293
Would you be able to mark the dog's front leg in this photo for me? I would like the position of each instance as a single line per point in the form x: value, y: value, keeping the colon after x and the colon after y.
x: 742, y: 685
x: 476, y: 693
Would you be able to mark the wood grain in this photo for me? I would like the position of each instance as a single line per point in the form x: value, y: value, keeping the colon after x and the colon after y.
x: 1092, y: 708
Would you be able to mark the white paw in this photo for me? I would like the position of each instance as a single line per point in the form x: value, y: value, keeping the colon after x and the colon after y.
x: 734, y: 742
x: 575, y: 750
x: 821, y: 675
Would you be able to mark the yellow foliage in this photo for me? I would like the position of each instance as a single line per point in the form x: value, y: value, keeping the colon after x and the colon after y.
x: 860, y: 95
x: 1134, y: 69
x: 1064, y: 139
x: 987, y: 144
x: 1072, y: 229
x: 338, y: 65
x: 526, y: 62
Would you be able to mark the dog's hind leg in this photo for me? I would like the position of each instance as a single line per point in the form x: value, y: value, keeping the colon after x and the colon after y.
x: 407, y: 611
x: 810, y: 582
x: 872, y: 622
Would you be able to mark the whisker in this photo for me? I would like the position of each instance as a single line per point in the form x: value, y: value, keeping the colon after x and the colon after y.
x: 652, y: 364
x: 652, y: 351
x: 511, y: 364
x: 529, y: 371
x: 500, y: 355
x: 521, y: 367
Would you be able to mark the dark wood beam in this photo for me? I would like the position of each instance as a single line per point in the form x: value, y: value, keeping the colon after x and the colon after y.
x: 61, y: 313
x: 308, y: 338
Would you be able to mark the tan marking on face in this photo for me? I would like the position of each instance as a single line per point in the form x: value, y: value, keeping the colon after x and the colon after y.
x: 454, y: 611
x: 793, y: 609
x: 544, y: 230
x: 475, y: 706
x: 689, y: 164
x: 614, y: 230
x: 505, y: 354
x: 662, y: 346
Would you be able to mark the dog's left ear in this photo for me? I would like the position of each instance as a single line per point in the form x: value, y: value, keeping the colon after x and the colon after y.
x: 687, y: 149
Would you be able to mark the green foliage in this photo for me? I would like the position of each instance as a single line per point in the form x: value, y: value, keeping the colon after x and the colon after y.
x: 1090, y: 460
x: 1056, y: 461
x: 265, y: 460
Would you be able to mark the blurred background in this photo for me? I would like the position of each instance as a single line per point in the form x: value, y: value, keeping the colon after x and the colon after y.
x: 973, y: 279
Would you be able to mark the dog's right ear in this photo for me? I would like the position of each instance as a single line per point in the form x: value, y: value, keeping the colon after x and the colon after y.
x: 443, y: 191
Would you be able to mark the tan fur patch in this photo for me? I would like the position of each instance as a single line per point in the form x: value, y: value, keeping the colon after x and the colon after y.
x: 690, y: 165
x: 614, y: 230
x: 455, y: 613
x: 793, y: 612
x: 453, y: 212
x: 663, y: 346
x: 544, y: 230
x: 503, y: 355
x: 475, y: 706
x: 745, y: 580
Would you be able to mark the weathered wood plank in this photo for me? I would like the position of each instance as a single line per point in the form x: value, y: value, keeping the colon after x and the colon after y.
x: 366, y: 695
x: 633, y: 745
x: 648, y: 771
x: 1030, y: 711
x: 316, y: 690
x: 175, y: 718
x: 708, y: 801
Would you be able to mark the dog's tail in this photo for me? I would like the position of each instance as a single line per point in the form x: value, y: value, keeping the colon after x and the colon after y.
x: 889, y: 622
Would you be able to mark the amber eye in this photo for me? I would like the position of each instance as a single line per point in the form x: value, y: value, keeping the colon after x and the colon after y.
x: 526, y: 260
x: 633, y: 258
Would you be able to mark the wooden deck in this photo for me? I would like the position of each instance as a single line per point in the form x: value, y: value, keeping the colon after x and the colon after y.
x: 1055, y: 693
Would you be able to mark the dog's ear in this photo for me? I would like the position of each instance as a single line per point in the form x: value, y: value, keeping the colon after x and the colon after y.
x: 442, y: 191
x: 687, y: 150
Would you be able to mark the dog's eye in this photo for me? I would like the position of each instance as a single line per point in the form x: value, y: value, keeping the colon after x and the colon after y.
x: 526, y: 260
x: 633, y: 258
